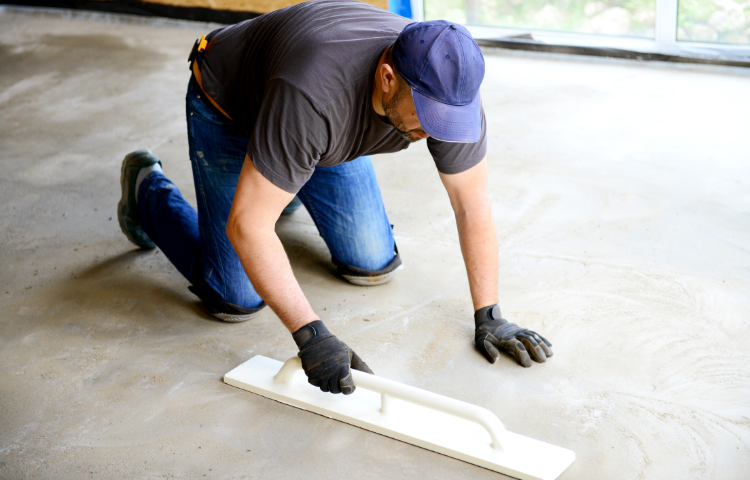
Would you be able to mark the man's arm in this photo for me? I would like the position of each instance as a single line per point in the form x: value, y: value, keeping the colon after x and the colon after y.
x: 470, y: 200
x: 251, y: 226
x: 251, y: 229
x: 469, y: 195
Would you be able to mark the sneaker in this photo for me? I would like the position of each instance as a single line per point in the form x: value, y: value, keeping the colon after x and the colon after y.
x: 127, y: 209
x: 235, y: 318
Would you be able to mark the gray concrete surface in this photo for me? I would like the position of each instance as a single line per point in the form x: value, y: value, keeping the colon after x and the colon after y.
x: 620, y: 192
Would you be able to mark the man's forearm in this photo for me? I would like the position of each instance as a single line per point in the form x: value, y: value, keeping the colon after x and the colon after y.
x: 476, y: 232
x: 267, y: 266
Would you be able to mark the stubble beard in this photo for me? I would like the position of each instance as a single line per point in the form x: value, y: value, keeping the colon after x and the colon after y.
x: 390, y: 108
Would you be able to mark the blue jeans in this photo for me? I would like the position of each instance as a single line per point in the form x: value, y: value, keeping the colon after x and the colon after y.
x: 344, y: 202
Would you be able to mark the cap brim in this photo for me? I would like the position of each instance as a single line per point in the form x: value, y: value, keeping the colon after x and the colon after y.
x: 449, y: 123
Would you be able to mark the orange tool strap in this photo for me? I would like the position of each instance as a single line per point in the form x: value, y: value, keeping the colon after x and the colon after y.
x: 198, y: 48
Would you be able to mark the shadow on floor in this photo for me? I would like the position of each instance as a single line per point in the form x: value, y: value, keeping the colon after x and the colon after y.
x: 121, y: 286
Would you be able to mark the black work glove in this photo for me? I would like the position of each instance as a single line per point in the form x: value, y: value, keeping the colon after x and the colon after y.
x: 326, y: 359
x: 494, y: 332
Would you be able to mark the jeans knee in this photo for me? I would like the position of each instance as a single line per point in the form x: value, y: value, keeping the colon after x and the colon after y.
x: 225, y: 311
x: 230, y: 307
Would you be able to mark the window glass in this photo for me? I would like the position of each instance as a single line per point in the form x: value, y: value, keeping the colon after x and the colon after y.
x: 608, y: 17
x: 721, y: 21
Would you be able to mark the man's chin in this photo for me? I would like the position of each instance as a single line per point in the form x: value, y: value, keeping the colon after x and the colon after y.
x: 410, y: 137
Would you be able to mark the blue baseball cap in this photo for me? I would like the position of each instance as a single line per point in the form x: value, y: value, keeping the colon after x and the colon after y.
x: 444, y: 67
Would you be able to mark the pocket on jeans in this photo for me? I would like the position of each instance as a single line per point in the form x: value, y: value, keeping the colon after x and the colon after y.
x: 199, y: 108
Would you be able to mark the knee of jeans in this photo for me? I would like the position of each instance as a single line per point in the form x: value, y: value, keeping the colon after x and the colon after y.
x: 370, y: 249
x: 368, y: 278
x: 215, y: 304
x: 237, y: 298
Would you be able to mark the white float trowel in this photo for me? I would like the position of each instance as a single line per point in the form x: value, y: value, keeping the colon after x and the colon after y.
x: 425, y: 419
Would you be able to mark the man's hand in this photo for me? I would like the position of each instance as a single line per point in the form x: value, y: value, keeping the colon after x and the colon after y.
x: 326, y: 359
x: 494, y: 332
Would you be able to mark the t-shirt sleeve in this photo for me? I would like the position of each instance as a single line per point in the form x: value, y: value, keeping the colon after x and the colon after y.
x: 288, y: 138
x: 453, y: 157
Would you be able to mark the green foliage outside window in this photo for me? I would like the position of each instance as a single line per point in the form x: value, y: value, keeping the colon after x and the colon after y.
x: 724, y: 21
x: 720, y: 21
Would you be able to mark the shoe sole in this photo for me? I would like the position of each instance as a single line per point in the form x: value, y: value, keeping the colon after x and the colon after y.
x: 230, y: 318
x: 373, y: 281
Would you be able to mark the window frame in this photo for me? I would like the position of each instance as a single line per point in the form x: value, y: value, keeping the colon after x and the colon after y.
x: 664, y: 42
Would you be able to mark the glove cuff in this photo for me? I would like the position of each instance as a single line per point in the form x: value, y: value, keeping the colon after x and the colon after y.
x: 486, y: 314
x: 309, y: 332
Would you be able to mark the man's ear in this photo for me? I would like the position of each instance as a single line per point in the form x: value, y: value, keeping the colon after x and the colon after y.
x: 388, y: 80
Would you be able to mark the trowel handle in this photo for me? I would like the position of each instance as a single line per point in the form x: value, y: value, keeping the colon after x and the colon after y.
x: 388, y: 388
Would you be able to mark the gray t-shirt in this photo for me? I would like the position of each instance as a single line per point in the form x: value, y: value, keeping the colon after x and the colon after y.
x: 299, y: 82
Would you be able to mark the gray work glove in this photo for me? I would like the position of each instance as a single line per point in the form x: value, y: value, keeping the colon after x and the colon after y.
x: 326, y: 359
x: 494, y: 333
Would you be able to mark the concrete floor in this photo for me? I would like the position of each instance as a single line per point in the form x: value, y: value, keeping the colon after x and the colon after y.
x: 622, y: 201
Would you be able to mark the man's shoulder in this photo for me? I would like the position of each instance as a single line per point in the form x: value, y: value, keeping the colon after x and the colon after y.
x: 336, y: 47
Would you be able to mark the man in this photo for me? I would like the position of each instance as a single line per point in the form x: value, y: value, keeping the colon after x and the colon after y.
x: 291, y: 104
